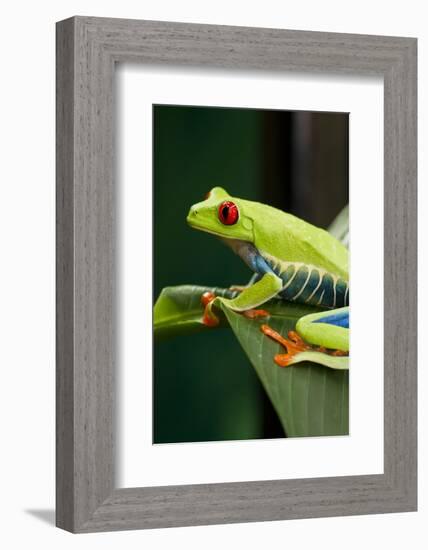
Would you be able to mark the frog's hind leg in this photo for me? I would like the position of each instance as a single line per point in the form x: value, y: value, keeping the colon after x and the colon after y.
x: 329, y: 329
x: 325, y: 332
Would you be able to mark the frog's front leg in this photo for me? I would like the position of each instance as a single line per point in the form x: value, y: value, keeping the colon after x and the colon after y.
x: 326, y: 332
x: 251, y: 297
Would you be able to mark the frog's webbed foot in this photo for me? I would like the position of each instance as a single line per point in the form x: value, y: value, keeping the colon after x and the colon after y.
x: 210, y: 319
x: 255, y: 313
x: 294, y: 345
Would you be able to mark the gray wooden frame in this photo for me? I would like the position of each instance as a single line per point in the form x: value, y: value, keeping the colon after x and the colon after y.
x: 87, y: 50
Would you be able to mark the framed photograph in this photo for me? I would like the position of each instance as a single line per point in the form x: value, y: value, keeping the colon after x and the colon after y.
x: 218, y: 189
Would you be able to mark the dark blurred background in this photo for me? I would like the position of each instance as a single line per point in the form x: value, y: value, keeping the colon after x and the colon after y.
x: 205, y: 389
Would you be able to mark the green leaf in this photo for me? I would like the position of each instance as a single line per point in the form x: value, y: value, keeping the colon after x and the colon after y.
x: 309, y: 398
x: 339, y: 227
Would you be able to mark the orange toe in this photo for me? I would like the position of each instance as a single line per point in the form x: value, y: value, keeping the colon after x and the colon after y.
x: 283, y: 359
x: 208, y: 319
x: 207, y: 297
x: 255, y: 313
x: 293, y: 345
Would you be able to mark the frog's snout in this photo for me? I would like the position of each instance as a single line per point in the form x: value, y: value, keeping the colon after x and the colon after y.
x: 192, y: 215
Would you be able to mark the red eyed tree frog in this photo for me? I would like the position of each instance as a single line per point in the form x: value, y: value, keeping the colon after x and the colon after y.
x: 291, y: 260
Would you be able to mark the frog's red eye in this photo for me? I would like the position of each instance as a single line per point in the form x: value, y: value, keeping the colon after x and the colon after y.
x: 228, y: 213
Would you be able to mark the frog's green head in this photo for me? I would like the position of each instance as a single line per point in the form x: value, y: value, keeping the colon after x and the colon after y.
x: 222, y: 215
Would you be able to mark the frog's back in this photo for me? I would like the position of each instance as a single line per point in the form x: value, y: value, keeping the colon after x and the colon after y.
x: 286, y: 238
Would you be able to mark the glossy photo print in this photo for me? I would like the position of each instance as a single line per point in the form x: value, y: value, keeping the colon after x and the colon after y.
x: 251, y: 274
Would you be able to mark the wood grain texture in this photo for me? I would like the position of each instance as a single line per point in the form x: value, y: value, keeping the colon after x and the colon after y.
x: 87, y: 49
x: 64, y: 278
